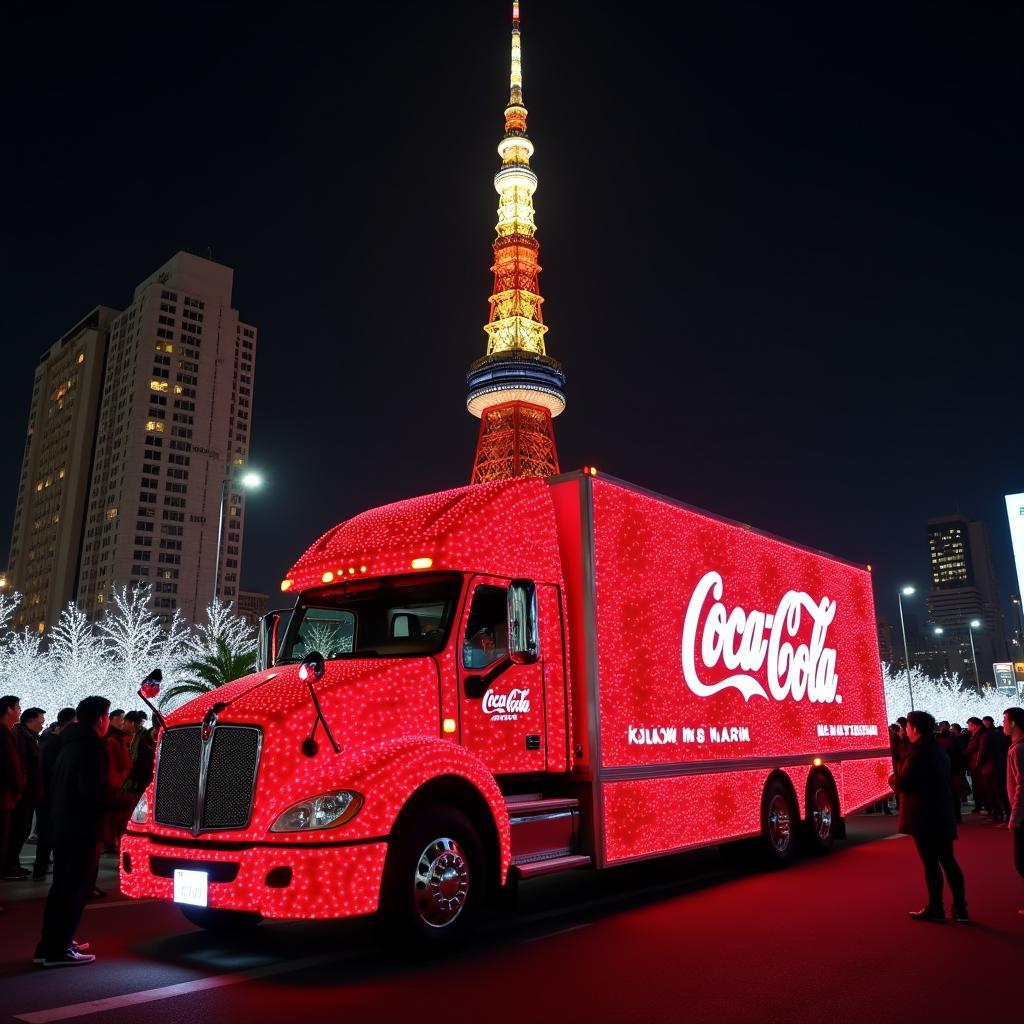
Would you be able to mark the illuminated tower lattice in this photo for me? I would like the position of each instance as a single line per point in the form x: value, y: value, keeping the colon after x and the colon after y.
x: 516, y: 389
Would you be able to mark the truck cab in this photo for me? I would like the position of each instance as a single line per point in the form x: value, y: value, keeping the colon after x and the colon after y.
x: 408, y: 714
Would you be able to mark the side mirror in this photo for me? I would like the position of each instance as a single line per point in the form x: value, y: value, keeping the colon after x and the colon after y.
x: 150, y: 687
x: 266, y: 646
x: 523, y: 635
x: 312, y: 667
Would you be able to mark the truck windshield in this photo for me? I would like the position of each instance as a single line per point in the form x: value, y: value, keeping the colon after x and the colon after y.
x: 398, y: 616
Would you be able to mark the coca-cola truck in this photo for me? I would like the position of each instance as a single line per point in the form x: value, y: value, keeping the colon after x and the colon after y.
x: 481, y: 686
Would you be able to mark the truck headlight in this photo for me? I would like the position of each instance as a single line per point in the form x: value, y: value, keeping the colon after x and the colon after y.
x: 141, y: 813
x: 324, y: 811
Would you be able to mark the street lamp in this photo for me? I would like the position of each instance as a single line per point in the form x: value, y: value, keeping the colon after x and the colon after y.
x: 971, y: 627
x: 906, y: 592
x: 249, y: 481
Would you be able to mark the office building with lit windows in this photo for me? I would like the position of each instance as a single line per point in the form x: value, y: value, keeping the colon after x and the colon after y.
x: 53, y: 486
x: 964, y: 589
x: 138, y: 429
x: 172, y: 436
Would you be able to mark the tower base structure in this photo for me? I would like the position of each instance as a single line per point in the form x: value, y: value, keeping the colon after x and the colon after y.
x: 516, y: 439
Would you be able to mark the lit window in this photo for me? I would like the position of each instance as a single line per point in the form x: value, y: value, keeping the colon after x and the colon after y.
x: 155, y: 426
x: 158, y: 385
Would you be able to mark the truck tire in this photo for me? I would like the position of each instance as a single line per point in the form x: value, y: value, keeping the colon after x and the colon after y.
x: 822, y: 815
x: 434, y: 881
x: 779, y: 820
x: 214, y: 919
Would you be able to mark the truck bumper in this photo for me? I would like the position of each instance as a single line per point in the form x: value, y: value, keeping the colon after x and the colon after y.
x: 277, y: 881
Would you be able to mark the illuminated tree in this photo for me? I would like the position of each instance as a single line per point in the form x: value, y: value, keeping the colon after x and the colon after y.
x: 75, y: 661
x: 130, y: 634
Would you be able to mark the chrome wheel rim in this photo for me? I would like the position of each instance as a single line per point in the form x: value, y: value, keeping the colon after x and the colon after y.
x: 779, y: 825
x: 441, y: 882
x: 822, y: 814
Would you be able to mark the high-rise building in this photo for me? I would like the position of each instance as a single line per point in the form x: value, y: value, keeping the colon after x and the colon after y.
x: 516, y: 388
x: 965, y: 590
x: 172, y: 436
x: 53, y: 486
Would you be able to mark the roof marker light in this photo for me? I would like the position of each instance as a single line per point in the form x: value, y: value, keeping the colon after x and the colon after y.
x: 449, y: 725
x: 422, y: 563
x: 327, y: 577
x: 287, y: 584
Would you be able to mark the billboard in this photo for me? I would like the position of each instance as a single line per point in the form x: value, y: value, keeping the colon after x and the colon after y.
x: 1006, y: 681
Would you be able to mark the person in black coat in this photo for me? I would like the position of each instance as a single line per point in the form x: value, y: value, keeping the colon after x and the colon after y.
x: 80, y: 797
x: 49, y: 745
x: 26, y: 737
x: 926, y: 814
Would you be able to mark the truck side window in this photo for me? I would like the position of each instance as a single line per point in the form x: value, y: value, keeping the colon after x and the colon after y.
x: 486, y: 639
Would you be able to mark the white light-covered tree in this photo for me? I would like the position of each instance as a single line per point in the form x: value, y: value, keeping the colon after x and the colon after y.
x: 130, y: 634
x: 23, y: 668
x: 173, y: 648
x: 8, y: 606
x: 223, y: 624
x: 945, y: 698
x: 75, y: 659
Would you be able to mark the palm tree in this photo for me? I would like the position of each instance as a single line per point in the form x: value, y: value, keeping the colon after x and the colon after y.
x: 211, y: 669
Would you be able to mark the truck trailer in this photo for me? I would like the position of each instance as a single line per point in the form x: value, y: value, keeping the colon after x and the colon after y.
x: 481, y: 686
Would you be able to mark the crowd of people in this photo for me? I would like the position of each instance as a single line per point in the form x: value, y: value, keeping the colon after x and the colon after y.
x: 77, y: 780
x: 936, y: 767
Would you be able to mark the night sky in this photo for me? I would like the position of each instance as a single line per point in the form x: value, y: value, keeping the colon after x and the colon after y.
x: 781, y: 243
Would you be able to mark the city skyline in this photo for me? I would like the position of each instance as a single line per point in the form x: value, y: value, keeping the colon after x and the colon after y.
x: 772, y: 203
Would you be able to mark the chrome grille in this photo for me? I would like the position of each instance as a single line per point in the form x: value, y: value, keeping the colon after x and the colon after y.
x: 232, y: 757
x: 229, y: 781
x: 177, y: 779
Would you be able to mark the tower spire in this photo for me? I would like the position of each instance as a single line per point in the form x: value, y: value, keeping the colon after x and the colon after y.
x: 516, y: 388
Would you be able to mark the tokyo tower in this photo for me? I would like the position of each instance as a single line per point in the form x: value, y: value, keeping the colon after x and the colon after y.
x: 516, y: 389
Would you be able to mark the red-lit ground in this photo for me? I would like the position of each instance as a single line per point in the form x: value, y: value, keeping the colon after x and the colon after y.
x: 691, y: 939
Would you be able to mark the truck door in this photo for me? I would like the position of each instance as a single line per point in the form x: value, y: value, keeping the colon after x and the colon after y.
x: 502, y: 705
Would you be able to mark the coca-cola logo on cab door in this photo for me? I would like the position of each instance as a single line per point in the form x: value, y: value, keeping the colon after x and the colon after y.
x: 506, y: 705
x: 772, y: 661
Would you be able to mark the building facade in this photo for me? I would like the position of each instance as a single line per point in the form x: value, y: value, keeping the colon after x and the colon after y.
x: 252, y: 606
x: 172, y: 438
x: 965, y: 590
x: 53, y: 486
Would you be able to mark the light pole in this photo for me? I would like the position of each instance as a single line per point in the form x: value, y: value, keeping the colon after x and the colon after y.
x: 906, y: 592
x: 248, y: 481
x: 971, y: 627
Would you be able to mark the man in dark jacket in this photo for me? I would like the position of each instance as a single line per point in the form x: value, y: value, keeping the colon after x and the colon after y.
x: 926, y: 814
x: 80, y: 796
x: 999, y: 746
x: 12, y: 775
x: 26, y: 736
x: 49, y: 745
x: 957, y: 765
x: 973, y: 752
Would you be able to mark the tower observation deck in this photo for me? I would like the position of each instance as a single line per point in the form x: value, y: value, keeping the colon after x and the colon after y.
x: 516, y: 389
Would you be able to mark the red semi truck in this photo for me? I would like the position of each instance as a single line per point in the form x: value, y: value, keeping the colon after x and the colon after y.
x: 489, y: 684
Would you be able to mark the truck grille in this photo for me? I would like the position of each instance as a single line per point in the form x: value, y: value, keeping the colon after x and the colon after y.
x: 233, y: 753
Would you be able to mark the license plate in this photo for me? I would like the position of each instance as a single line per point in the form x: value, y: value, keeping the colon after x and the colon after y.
x: 190, y: 887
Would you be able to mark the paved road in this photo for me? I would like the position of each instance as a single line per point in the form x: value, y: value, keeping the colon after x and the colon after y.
x: 686, y: 939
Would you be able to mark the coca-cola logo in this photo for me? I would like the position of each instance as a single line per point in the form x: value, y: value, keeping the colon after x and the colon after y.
x: 759, y: 646
x: 506, y: 705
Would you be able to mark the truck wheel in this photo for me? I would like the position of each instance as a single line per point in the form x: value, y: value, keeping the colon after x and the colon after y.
x: 779, y: 818
x: 434, y: 881
x: 822, y: 816
x: 214, y: 919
